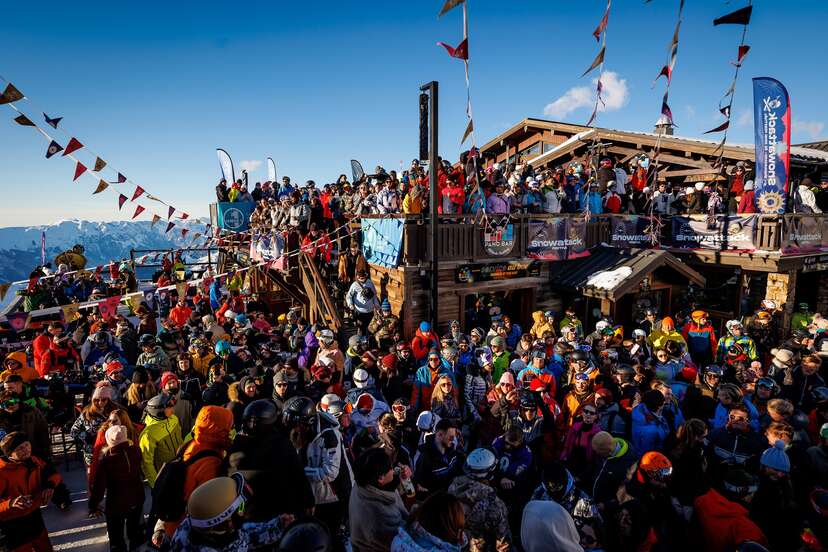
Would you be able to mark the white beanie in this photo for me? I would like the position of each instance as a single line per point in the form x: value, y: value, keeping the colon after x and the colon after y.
x: 700, y: 186
x: 116, y: 435
x: 689, y: 190
x: 749, y: 185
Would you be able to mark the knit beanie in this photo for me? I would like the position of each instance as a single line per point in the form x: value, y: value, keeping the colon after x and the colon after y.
x: 103, y: 392
x: 776, y: 458
x: 166, y: 378
x: 116, y: 435
x: 12, y: 441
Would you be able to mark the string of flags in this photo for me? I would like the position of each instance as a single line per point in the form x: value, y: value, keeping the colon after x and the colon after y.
x: 461, y: 52
x: 600, y: 34
x: 738, y: 17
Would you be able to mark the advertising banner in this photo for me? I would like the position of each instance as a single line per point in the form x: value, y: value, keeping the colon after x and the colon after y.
x: 235, y: 216
x: 772, y: 127
x: 722, y: 232
x: 630, y: 231
x: 382, y: 241
x: 496, y: 271
x: 557, y: 239
x: 499, y: 236
x: 802, y: 234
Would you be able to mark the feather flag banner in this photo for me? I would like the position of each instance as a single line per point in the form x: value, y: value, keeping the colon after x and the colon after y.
x: 10, y: 95
x: 138, y: 210
x: 73, y: 146
x: 80, y: 168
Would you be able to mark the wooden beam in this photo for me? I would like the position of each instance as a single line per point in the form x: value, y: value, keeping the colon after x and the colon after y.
x: 689, y: 172
x: 665, y: 157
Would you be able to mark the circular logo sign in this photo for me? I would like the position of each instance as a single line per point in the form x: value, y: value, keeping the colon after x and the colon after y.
x: 233, y: 219
x: 499, y: 238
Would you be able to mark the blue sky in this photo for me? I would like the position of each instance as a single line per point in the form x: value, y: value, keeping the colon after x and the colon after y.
x: 155, y: 87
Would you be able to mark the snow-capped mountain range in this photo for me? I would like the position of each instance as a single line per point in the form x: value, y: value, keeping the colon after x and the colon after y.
x: 103, y: 241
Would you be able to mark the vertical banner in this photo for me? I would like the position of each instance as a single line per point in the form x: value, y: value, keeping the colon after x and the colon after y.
x: 271, y: 170
x: 226, y: 165
x: 557, y: 239
x: 772, y: 127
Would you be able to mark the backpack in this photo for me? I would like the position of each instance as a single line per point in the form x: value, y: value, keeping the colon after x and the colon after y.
x: 168, y: 493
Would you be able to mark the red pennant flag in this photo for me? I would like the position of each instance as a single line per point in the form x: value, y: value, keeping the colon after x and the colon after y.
x: 743, y: 50
x: 169, y: 227
x: 184, y: 216
x: 138, y: 191
x: 138, y: 211
x: 121, y: 200
x: 121, y: 179
x: 719, y: 128
x: 184, y: 232
x: 665, y: 72
x: 80, y: 168
x: 72, y: 146
x: 170, y: 212
x: 109, y: 307
x: 10, y: 94
x: 461, y: 52
x: 602, y: 25
x: 666, y: 111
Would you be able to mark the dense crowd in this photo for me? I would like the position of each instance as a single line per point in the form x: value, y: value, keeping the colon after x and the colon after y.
x: 608, y: 187
x: 255, y: 429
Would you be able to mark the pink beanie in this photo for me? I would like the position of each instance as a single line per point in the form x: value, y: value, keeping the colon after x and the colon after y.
x: 116, y: 435
x: 507, y: 377
x: 103, y: 391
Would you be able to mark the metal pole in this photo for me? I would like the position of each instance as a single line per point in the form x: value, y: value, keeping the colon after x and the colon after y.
x: 434, y: 197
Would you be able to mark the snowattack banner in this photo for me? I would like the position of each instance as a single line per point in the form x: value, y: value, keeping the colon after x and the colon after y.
x: 772, y: 126
x: 557, y: 239
x: 721, y: 232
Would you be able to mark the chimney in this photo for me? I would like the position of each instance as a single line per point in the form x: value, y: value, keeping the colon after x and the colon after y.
x: 663, y: 126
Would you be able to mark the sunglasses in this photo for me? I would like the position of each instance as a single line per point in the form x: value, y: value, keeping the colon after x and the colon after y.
x: 737, y: 419
x: 445, y: 385
x: 590, y: 412
x: 399, y: 408
x: 434, y: 359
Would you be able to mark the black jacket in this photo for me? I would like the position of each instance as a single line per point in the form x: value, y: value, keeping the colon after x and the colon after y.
x: 434, y: 470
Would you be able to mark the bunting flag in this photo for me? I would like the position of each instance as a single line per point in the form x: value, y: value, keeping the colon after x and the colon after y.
x: 73, y: 146
x: 460, y: 52
x: 184, y: 216
x: 724, y: 126
x: 4, y: 289
x: 725, y: 111
x: 666, y: 71
x: 743, y: 51
x: 155, y: 219
x: 602, y: 25
x: 53, y: 148
x: 121, y: 179
x: 169, y: 227
x: 138, y: 210
x: 18, y: 320
x: 468, y: 131
x: 121, y: 200
x: 599, y: 59
x: 99, y: 164
x: 70, y: 313
x: 109, y: 307
x: 52, y: 122
x: 10, y: 94
x: 102, y: 185
x: 152, y: 197
x: 80, y: 168
x: 138, y: 191
x: 739, y: 17
x: 170, y: 212
x: 184, y: 232
x: 22, y: 120
x: 449, y: 5
x: 666, y: 111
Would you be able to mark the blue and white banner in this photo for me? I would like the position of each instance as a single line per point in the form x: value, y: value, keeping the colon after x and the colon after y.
x: 772, y: 125
x: 382, y: 241
x: 226, y: 165
x: 235, y: 216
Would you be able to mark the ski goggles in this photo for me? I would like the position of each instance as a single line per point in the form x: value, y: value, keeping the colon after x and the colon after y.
x: 660, y: 474
x: 238, y: 505
x: 8, y: 403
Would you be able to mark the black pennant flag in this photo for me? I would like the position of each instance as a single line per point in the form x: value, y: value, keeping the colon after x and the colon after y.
x: 53, y: 122
x: 53, y: 148
x: 23, y: 121
x: 719, y: 128
x: 739, y: 17
x: 10, y: 94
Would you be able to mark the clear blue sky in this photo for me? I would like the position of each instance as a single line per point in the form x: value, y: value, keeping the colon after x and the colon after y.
x: 155, y: 87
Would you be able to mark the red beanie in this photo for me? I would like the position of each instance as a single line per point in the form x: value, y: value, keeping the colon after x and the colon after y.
x: 166, y: 378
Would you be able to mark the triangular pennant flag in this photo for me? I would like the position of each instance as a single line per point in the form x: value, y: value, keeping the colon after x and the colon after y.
x: 594, y: 114
x: 10, y: 94
x: 121, y: 179
x: 53, y: 148
x: 666, y: 111
x: 17, y: 320
x: 665, y: 72
x: 72, y: 146
x: 170, y: 212
x: 109, y: 307
x: 155, y: 219
x: 121, y: 200
x: 739, y: 17
x: 599, y: 59
x: 169, y: 227
x: 449, y: 5
x: 468, y: 131
x: 461, y: 52
x: 743, y: 50
x: 4, y: 289
x: 725, y: 111
x: 138, y: 191
x: 184, y: 232
x: 99, y: 164
x: 102, y: 185
x: 52, y: 122
x: 80, y: 168
x: 719, y: 128
x: 602, y: 25
x: 138, y: 210
x: 70, y: 313
x: 22, y: 120
x: 184, y: 216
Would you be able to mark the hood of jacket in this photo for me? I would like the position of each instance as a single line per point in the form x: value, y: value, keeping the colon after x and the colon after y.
x: 538, y: 318
x: 715, y: 505
x: 19, y: 356
x: 548, y: 526
x: 212, y: 427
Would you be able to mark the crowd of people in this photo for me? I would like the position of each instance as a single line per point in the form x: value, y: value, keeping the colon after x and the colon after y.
x: 607, y: 187
x: 252, y: 428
